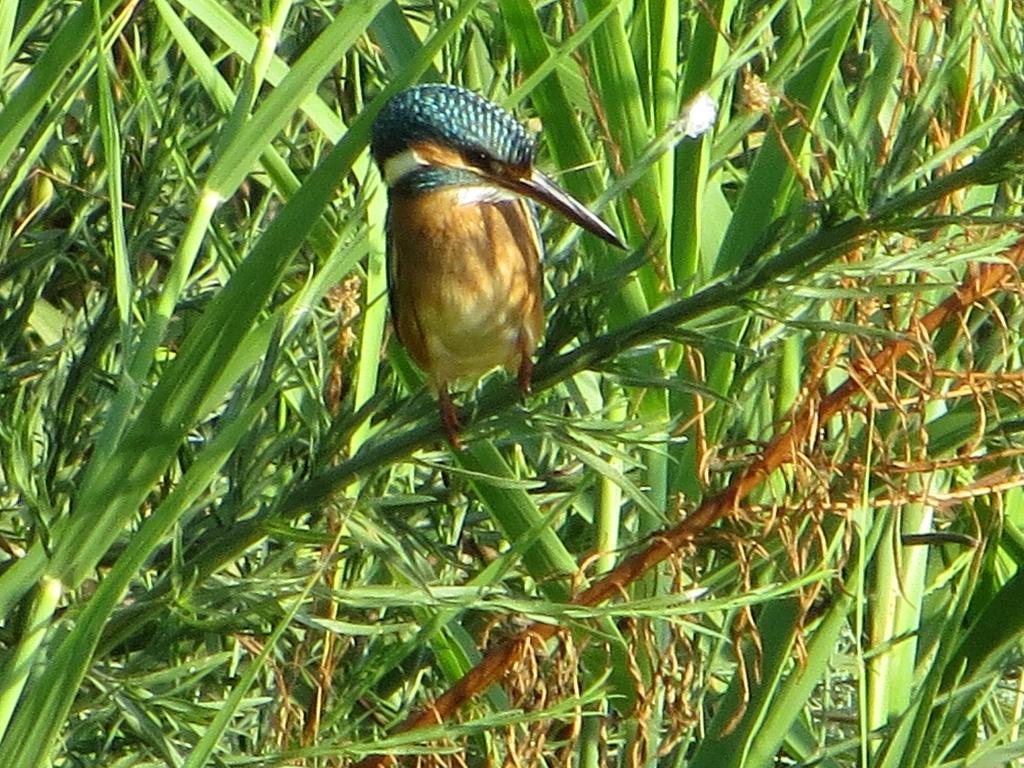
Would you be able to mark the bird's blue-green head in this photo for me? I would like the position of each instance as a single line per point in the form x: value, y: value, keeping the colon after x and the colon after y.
x: 447, y: 119
x: 434, y: 136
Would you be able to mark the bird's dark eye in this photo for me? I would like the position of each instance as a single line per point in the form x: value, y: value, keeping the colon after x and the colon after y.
x: 478, y: 159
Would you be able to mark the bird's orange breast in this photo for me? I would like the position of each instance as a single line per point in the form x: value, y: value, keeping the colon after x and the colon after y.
x: 464, y: 276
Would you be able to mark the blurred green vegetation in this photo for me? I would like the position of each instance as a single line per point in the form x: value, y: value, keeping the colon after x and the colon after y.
x: 230, y: 530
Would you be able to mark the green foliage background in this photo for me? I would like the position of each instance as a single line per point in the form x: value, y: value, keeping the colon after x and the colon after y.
x: 230, y: 532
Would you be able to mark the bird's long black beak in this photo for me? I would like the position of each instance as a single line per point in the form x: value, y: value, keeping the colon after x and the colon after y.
x: 545, y: 191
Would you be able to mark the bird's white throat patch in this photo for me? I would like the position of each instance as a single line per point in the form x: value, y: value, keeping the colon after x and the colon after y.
x: 401, y: 165
x: 482, y: 194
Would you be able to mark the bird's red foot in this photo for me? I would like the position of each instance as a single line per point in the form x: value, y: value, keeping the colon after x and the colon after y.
x: 449, y: 417
x: 525, y: 375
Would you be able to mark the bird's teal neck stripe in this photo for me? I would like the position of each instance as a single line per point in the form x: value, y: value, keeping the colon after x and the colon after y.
x: 427, y: 179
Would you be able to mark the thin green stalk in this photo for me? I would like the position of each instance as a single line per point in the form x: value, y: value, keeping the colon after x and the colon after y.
x: 19, y: 664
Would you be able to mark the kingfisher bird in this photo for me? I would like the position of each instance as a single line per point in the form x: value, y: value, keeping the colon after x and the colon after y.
x: 463, y: 242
